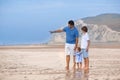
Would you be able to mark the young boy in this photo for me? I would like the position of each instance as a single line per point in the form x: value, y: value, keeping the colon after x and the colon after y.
x: 85, y: 42
x: 78, y: 58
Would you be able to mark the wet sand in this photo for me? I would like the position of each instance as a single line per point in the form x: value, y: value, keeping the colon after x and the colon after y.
x: 47, y: 63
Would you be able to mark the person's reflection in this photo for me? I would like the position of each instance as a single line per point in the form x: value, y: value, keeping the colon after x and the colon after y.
x: 86, y: 75
x: 77, y: 75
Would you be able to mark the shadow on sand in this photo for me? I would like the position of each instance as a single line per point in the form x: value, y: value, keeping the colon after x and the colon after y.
x: 77, y: 75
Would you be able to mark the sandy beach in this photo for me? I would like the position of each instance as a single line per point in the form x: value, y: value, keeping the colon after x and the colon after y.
x: 47, y: 63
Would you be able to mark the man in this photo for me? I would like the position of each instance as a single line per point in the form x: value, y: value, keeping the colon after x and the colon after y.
x: 72, y: 35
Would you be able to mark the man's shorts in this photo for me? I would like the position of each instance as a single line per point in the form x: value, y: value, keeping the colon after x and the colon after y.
x: 69, y: 49
x: 85, y: 53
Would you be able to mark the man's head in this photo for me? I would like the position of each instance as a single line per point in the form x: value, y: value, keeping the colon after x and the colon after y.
x: 71, y: 23
x: 84, y: 29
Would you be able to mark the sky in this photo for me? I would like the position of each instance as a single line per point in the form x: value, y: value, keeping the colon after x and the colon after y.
x: 29, y: 21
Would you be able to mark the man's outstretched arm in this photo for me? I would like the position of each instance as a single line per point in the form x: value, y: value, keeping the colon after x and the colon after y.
x: 57, y: 31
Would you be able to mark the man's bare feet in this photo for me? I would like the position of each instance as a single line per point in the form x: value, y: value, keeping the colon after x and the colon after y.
x: 67, y: 68
x: 86, y: 71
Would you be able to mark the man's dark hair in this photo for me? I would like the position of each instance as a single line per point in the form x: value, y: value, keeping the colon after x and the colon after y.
x: 71, y: 22
x: 84, y: 28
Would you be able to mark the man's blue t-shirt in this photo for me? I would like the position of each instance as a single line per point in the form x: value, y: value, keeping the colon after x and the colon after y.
x: 71, y: 34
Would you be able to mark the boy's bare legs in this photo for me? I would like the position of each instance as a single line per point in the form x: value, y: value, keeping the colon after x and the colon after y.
x: 86, y: 63
x: 67, y: 61
x: 77, y: 66
x: 80, y: 65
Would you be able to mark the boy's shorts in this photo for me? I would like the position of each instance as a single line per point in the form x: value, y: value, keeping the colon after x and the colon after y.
x: 85, y: 53
x: 78, y: 58
x: 69, y: 49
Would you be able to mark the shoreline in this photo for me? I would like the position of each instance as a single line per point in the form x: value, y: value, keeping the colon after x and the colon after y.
x: 59, y: 46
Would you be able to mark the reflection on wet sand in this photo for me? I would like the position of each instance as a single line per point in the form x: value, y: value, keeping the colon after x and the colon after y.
x: 77, y: 75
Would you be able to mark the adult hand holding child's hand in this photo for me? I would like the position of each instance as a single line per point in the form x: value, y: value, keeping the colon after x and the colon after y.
x: 87, y: 49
